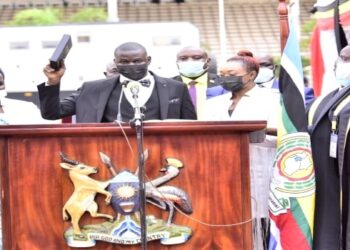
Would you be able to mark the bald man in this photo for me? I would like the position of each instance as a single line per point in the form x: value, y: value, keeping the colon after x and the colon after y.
x: 266, y: 77
x: 193, y: 65
x: 111, y: 70
x: 111, y: 99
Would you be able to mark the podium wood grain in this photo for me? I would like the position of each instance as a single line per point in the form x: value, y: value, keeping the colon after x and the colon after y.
x: 216, y: 177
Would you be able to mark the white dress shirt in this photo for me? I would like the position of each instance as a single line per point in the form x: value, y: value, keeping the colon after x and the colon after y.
x: 144, y: 92
x: 257, y: 104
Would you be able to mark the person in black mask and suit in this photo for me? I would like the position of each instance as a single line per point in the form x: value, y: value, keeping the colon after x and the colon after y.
x: 111, y: 99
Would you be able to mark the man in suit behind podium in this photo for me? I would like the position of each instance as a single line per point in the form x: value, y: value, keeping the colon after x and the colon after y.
x: 108, y: 99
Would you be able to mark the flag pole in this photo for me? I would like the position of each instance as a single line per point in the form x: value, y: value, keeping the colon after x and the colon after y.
x: 284, y: 26
x: 222, y: 31
x: 112, y: 8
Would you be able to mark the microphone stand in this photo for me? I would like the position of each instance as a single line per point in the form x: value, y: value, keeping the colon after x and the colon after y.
x: 137, y: 123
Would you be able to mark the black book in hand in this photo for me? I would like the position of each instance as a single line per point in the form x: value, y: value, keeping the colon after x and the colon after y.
x: 61, y: 52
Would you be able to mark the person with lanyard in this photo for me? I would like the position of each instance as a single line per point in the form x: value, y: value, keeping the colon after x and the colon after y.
x: 329, y: 124
x: 193, y: 65
x: 111, y: 99
x: 14, y: 112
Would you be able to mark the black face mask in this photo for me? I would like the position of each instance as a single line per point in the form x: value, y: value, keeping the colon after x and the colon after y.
x: 231, y: 83
x: 133, y: 72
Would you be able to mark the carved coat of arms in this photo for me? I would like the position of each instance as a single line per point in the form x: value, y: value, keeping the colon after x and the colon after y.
x: 122, y: 193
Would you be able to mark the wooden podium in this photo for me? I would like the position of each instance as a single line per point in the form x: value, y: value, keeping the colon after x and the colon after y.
x: 215, y: 175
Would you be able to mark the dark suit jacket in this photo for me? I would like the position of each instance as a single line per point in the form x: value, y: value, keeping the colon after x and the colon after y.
x: 328, y: 172
x: 89, y: 102
x: 213, y: 88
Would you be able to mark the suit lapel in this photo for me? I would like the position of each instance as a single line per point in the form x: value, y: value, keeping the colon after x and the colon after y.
x: 105, y: 92
x: 329, y: 102
x: 163, y: 95
x: 343, y: 124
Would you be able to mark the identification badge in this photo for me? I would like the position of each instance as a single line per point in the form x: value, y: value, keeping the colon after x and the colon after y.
x: 333, y: 145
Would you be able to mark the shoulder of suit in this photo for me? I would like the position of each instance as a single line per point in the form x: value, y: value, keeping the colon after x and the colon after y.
x: 168, y: 81
x: 177, y: 78
x: 100, y: 82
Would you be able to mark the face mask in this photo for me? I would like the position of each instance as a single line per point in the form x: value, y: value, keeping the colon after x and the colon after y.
x: 191, y: 68
x: 231, y: 83
x: 264, y: 75
x: 133, y: 72
x: 3, y: 93
x: 342, y: 73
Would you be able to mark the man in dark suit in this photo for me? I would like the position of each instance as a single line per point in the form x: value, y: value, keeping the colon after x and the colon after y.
x: 110, y: 99
x: 193, y: 65
x: 329, y: 127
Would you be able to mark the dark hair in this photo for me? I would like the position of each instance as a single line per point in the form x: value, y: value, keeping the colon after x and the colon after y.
x: 2, y: 73
x: 246, y: 58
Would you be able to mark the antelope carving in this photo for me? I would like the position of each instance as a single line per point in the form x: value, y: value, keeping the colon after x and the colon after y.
x: 85, y: 189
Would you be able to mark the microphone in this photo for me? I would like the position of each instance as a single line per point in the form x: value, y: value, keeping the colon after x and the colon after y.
x: 119, y: 116
x: 135, y: 89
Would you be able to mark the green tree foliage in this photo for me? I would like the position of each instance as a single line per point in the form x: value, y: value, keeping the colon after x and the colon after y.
x: 32, y: 17
x: 308, y: 26
x: 89, y: 15
x: 306, y: 30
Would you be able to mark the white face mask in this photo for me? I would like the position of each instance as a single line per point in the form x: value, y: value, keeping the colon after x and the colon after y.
x: 264, y: 75
x: 3, y: 93
x: 191, y: 68
x: 342, y: 73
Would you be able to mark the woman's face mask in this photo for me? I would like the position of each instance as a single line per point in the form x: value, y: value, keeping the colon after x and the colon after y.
x: 191, y: 68
x: 342, y: 73
x: 231, y: 83
x: 265, y: 75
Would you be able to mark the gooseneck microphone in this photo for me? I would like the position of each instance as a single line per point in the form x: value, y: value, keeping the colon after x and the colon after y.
x: 135, y: 89
x: 119, y: 116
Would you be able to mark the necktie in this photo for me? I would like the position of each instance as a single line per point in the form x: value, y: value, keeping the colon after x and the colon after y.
x: 193, y: 92
x: 144, y: 82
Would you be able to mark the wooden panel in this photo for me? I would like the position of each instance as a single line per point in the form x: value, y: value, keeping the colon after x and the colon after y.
x: 35, y: 188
